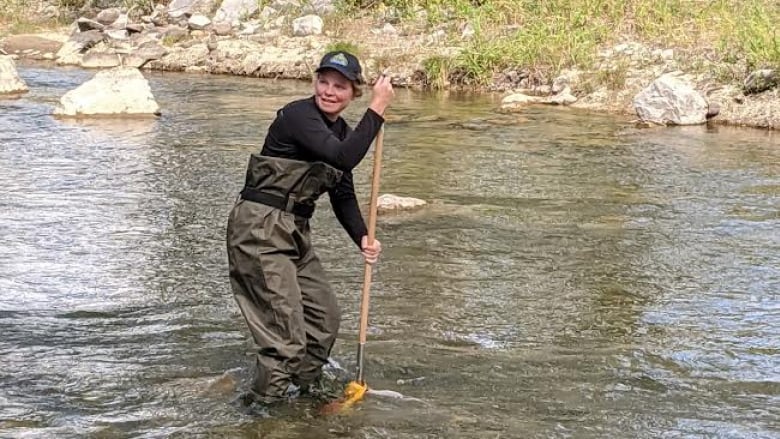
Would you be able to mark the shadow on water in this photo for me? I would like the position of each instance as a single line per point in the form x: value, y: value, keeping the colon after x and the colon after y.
x: 572, y: 277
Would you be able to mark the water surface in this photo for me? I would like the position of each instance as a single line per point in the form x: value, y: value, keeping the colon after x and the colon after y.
x: 572, y: 277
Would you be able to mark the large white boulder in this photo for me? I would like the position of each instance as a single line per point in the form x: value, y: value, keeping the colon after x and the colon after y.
x: 671, y: 101
x: 116, y: 92
x: 10, y: 82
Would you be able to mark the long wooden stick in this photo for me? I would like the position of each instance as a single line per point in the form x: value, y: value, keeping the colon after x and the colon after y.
x: 372, y: 213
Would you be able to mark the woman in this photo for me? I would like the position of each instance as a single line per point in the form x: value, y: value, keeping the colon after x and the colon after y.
x: 275, y: 275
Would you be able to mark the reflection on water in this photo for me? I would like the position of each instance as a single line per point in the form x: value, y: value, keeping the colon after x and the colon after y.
x: 573, y: 276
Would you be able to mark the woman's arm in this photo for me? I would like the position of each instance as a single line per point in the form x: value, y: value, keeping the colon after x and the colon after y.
x: 346, y: 208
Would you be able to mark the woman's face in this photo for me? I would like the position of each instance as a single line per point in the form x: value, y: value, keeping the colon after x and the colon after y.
x: 332, y: 92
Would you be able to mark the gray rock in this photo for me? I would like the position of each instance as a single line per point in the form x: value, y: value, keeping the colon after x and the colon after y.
x: 233, y: 11
x: 100, y: 60
x: 148, y: 52
x: 85, y: 24
x: 393, y: 203
x: 712, y: 110
x: 468, y: 32
x: 175, y: 33
x: 10, y: 82
x: 567, y: 78
x: 518, y: 101
x: 761, y: 80
x: 108, y: 16
x: 71, y: 51
x: 180, y: 8
x: 307, y: 25
x: 285, y: 5
x: 320, y: 7
x: 198, y: 22
x: 669, y: 100
x: 564, y: 97
x: 222, y: 29
x: 135, y: 28
x: 120, y: 23
x: 117, y: 34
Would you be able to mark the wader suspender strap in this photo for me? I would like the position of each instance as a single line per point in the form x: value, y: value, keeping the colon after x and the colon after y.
x: 286, y: 204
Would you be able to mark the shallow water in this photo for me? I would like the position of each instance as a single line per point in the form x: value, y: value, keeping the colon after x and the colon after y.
x: 573, y: 276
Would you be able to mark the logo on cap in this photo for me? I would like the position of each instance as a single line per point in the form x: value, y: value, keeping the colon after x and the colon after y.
x: 339, y: 59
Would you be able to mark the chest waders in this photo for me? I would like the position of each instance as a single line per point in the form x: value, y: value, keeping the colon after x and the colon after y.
x: 275, y: 275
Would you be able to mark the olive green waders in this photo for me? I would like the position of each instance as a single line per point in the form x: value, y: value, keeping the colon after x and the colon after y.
x: 275, y: 275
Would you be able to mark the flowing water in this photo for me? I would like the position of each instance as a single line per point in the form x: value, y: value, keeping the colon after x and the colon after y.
x: 572, y: 277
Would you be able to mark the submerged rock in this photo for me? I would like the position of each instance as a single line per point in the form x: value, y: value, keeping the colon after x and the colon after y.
x: 119, y: 91
x: 10, y: 82
x: 517, y: 101
x: 392, y: 203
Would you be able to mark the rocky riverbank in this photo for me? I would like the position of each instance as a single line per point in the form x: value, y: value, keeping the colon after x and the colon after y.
x: 286, y: 39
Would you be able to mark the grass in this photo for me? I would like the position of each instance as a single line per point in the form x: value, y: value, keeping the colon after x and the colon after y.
x: 545, y: 36
x: 549, y: 35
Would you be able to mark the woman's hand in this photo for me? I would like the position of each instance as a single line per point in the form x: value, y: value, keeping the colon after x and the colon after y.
x: 371, y: 252
x: 382, y: 95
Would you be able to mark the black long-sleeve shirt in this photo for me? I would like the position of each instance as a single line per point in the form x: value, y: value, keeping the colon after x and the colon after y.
x: 302, y: 132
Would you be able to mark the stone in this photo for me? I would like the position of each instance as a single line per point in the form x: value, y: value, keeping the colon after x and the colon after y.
x: 71, y: 51
x: 85, y: 24
x: 117, y: 34
x: 713, y: 110
x: 234, y: 11
x: 100, y: 60
x: 120, y: 23
x: 116, y: 92
x: 307, y: 25
x: 222, y: 29
x: 134, y: 28
x: 389, y: 29
x: 761, y: 80
x: 468, y: 32
x: 564, y: 97
x: 108, y: 16
x: 198, y: 22
x: 670, y: 101
x: 394, y: 203
x: 320, y: 7
x: 566, y: 78
x: 10, y: 82
x: 139, y: 57
x: 519, y: 99
x: 180, y: 8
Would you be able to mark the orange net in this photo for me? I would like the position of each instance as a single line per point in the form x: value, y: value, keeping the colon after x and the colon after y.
x: 353, y: 393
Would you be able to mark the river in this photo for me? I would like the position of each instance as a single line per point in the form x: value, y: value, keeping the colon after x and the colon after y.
x: 573, y: 276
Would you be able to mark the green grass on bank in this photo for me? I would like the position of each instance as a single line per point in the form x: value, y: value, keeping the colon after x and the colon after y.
x: 537, y: 38
x: 541, y: 37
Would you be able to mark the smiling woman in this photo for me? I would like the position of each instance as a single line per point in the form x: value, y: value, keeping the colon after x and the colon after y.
x: 277, y: 278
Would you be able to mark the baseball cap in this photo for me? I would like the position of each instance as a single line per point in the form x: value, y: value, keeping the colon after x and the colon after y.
x: 344, y: 63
